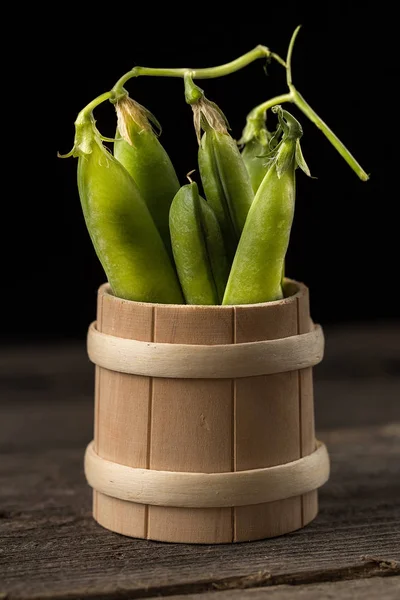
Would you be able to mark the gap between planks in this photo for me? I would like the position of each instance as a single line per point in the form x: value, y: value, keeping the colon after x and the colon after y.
x: 149, y: 418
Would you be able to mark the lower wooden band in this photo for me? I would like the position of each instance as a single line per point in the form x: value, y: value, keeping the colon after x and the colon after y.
x: 207, y: 490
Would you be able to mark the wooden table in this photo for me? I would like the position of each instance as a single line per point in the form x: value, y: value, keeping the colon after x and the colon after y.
x: 50, y: 547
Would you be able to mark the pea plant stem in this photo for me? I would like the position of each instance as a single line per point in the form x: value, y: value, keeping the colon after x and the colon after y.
x: 296, y: 98
x: 300, y: 102
x: 118, y: 90
x: 262, y: 108
x: 86, y: 112
x: 289, y: 57
x: 207, y: 73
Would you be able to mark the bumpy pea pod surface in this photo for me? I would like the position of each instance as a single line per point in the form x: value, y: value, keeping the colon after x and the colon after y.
x: 139, y: 151
x: 226, y: 184
x: 256, y: 274
x: 198, y: 248
x: 120, y: 225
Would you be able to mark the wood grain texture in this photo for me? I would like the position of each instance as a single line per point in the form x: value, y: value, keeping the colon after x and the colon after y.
x: 267, y: 422
x: 49, y: 543
x: 207, y: 490
x: 191, y: 426
x: 385, y: 588
x: 50, y: 547
x: 202, y: 425
x: 366, y: 356
x: 309, y: 503
x: 122, y: 413
x: 205, y: 361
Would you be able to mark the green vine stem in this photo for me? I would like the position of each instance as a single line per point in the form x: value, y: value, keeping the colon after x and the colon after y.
x: 207, y: 73
x: 118, y: 90
x: 296, y: 98
x: 259, y: 110
x: 300, y: 102
x: 87, y: 111
x: 289, y: 57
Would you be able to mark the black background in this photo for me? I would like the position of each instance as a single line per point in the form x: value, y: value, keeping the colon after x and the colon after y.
x: 344, y: 242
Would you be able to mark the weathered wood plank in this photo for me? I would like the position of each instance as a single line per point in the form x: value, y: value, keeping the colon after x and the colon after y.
x: 385, y: 588
x: 50, y: 543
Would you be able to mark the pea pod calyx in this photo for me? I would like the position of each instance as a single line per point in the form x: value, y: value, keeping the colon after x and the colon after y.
x: 206, y: 114
x: 133, y: 116
x: 284, y: 153
x: 86, y: 134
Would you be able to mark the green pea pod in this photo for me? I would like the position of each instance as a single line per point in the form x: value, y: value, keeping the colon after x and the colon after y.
x: 216, y: 249
x: 225, y: 180
x: 214, y: 192
x: 120, y: 225
x: 256, y: 273
x: 139, y: 151
x: 257, y: 144
x: 198, y: 248
x: 256, y: 162
x: 226, y: 184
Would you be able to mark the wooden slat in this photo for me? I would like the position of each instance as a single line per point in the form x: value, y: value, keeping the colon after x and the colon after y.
x: 122, y: 410
x: 306, y: 406
x: 267, y: 422
x: 99, y: 311
x: 191, y: 425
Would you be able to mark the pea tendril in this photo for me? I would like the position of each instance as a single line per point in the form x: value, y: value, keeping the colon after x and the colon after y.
x: 289, y: 57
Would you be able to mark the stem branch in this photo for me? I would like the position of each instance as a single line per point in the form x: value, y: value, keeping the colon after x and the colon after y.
x: 334, y: 140
x: 207, y: 73
x: 259, y: 110
x: 299, y: 101
x: 86, y: 112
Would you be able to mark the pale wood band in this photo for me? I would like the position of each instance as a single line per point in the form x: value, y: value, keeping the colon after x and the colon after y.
x: 207, y: 490
x: 205, y: 362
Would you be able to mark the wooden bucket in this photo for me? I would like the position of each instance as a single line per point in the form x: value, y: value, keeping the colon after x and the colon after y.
x: 204, y: 419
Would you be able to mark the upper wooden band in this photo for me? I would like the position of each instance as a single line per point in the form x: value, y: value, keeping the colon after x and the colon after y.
x: 206, y: 490
x: 190, y: 361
